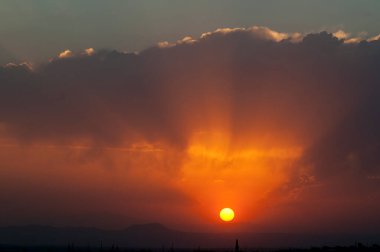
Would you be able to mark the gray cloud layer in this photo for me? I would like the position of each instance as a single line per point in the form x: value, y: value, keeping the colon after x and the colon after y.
x: 317, y: 91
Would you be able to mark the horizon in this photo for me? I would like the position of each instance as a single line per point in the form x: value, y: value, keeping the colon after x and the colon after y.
x: 156, y: 236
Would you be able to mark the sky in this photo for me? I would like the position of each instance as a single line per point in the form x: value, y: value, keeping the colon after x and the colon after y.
x: 115, y: 113
x: 37, y: 30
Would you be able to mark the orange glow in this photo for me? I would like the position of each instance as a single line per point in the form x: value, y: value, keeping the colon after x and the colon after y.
x: 216, y: 173
x: 212, y: 173
x: 227, y: 214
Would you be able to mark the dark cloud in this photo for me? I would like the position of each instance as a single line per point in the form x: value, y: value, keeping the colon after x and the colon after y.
x: 154, y: 93
x: 267, y: 88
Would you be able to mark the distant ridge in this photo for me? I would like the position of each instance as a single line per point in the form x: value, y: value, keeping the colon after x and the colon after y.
x: 148, y: 226
x: 155, y: 235
x: 143, y: 235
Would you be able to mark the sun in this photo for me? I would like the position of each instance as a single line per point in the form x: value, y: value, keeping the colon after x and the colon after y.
x: 227, y: 214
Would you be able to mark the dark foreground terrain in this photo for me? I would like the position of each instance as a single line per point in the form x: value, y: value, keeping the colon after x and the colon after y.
x: 69, y: 248
x: 157, y: 238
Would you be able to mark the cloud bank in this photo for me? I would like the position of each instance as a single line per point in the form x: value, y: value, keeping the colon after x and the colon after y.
x: 280, y: 125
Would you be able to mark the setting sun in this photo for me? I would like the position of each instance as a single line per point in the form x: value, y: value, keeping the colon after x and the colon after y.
x: 227, y: 214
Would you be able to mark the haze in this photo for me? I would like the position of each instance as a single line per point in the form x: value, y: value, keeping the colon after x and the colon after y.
x: 116, y: 113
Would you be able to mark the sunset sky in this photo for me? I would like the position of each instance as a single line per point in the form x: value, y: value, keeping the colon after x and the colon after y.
x: 115, y: 113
